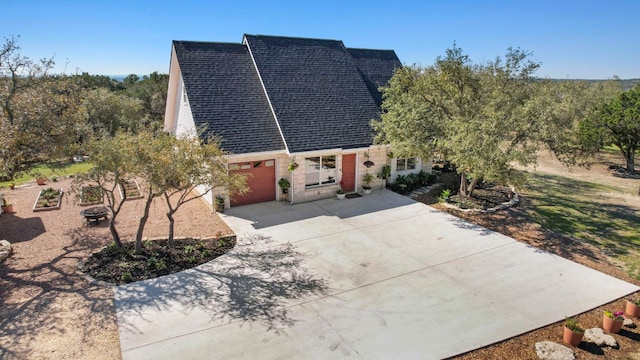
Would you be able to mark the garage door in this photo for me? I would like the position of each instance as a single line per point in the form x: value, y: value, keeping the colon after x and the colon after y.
x: 261, y: 181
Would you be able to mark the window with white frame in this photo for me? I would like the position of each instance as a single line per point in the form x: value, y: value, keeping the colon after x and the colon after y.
x: 320, y: 170
x: 405, y: 164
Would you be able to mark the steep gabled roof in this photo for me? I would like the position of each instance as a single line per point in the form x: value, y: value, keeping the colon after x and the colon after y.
x: 376, y: 67
x: 225, y: 95
x: 318, y: 95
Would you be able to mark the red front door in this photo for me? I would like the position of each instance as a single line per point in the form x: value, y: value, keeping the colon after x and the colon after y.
x: 349, y: 172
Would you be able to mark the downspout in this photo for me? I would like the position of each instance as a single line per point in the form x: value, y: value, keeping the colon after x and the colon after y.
x: 292, y: 185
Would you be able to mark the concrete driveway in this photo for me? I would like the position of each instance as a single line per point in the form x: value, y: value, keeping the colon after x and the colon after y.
x: 376, y: 277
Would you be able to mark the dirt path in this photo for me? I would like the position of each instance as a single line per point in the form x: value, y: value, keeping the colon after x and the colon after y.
x: 49, y: 311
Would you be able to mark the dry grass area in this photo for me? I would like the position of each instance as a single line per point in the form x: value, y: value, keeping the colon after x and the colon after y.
x: 49, y: 310
x: 517, y: 222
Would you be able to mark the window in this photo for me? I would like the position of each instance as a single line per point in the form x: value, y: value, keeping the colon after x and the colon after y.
x: 185, y: 100
x: 405, y: 164
x: 320, y: 170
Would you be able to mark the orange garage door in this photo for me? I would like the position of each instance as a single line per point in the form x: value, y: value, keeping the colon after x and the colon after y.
x: 261, y: 181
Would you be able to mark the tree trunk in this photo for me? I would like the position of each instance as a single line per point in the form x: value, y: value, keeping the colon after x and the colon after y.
x: 463, y: 184
x: 114, y: 232
x: 472, y: 187
x: 143, y: 221
x: 171, y: 223
x: 466, y: 188
x: 631, y: 161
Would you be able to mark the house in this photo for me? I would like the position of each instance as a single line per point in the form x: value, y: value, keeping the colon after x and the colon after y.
x: 280, y: 103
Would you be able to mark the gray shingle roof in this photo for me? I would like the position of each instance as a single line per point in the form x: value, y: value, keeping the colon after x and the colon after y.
x: 323, y: 94
x: 225, y: 94
x: 320, y: 99
x: 376, y: 67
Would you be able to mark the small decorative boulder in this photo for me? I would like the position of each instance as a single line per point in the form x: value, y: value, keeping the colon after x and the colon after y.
x: 598, y: 337
x: 5, y: 250
x: 629, y: 323
x: 548, y: 350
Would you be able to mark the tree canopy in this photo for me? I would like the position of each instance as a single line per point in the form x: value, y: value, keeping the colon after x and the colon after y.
x: 617, y: 122
x: 485, y: 118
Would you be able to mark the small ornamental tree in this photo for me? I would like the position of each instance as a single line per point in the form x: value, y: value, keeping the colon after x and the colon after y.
x: 112, y: 163
x: 189, y: 163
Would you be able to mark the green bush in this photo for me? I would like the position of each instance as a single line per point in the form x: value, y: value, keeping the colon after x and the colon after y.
x: 126, y: 277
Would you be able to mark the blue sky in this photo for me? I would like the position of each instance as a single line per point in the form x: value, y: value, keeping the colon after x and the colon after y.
x: 572, y: 39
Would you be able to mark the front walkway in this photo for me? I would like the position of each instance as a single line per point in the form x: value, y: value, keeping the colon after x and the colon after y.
x: 375, y: 277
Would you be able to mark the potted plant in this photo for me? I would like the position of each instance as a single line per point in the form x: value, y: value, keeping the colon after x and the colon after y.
x: 40, y: 179
x: 12, y: 186
x: 612, y: 322
x: 284, y: 185
x: 340, y: 193
x: 367, y: 179
x: 6, y: 207
x: 292, y: 166
x: 572, y: 332
x: 219, y: 203
x: 633, y: 307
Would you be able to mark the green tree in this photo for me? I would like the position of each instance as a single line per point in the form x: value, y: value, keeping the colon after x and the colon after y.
x: 109, y: 113
x: 151, y: 91
x: 174, y: 167
x: 616, y: 121
x: 21, y: 95
x: 190, y: 164
x: 113, y: 163
x: 485, y: 118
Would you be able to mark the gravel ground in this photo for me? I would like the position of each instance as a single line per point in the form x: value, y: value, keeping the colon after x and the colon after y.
x: 47, y: 309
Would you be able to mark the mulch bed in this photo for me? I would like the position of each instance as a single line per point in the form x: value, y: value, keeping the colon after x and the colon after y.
x: 122, y: 265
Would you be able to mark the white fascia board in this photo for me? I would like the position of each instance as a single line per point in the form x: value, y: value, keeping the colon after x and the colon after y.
x: 262, y: 154
x: 317, y: 152
x: 174, y: 86
x: 273, y: 112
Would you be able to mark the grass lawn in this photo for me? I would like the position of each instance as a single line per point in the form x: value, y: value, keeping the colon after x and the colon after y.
x: 49, y: 171
x: 596, y: 213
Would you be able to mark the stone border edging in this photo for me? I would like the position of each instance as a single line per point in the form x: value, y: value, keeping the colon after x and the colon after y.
x: 505, y: 205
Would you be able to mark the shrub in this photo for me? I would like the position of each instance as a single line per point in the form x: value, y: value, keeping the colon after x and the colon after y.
x: 126, y: 277
x: 444, y: 195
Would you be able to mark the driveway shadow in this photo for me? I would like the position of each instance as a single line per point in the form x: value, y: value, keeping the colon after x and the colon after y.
x: 254, y: 282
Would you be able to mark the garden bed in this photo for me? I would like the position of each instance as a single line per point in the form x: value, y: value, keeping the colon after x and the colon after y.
x: 91, y: 195
x: 121, y: 266
x: 48, y: 199
x: 131, y: 188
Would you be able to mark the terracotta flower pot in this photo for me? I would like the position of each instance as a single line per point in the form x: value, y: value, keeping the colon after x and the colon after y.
x: 632, y: 309
x: 572, y: 338
x: 41, y: 181
x: 7, y: 209
x: 611, y: 325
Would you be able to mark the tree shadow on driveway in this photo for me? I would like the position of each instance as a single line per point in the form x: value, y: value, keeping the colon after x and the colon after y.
x: 257, y: 281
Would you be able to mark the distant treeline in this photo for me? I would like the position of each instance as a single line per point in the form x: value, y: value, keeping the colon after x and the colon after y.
x: 625, y: 84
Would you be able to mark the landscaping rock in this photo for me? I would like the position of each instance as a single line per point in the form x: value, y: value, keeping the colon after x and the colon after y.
x: 629, y: 323
x: 598, y: 337
x: 548, y: 350
x: 5, y: 250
